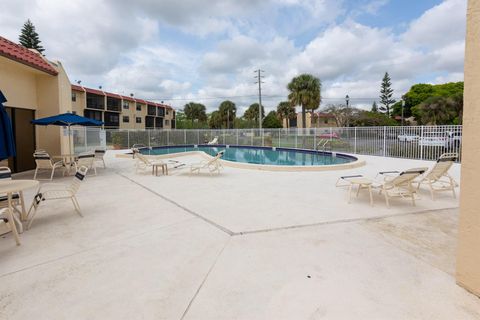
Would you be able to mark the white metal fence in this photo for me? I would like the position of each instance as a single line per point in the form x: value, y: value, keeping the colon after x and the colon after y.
x: 413, y: 142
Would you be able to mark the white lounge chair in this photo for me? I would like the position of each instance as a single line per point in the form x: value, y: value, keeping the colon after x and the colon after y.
x: 146, y: 163
x: 7, y: 217
x: 214, y: 141
x: 45, y: 162
x: 99, y: 156
x: 438, y: 178
x: 58, y: 191
x: 213, y: 165
x: 400, y: 185
x: 86, y: 159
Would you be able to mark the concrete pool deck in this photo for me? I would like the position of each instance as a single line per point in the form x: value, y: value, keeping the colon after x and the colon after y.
x: 246, y: 244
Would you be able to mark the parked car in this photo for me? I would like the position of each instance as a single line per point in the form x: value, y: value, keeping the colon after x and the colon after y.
x: 328, y: 135
x: 433, y: 139
x: 454, y: 139
x: 407, y: 137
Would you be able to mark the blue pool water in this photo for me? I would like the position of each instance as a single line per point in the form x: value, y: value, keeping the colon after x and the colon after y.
x: 259, y: 155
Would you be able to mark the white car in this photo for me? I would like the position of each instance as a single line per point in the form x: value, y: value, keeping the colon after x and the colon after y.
x: 408, y: 137
x: 433, y: 139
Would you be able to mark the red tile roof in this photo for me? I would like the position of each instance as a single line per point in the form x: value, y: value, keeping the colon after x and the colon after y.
x: 77, y: 88
x: 128, y: 98
x: 113, y: 95
x: 141, y: 101
x: 94, y: 91
x: 116, y: 95
x: 18, y: 53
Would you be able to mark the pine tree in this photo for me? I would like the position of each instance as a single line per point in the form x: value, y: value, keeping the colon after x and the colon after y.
x: 29, y: 37
x: 374, y: 107
x: 386, y: 93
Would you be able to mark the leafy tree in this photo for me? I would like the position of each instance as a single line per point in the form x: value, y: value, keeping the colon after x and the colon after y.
x: 195, y: 112
x: 340, y: 113
x: 374, y: 107
x: 252, y: 113
x: 215, y: 120
x: 421, y: 92
x: 228, y: 111
x: 305, y: 92
x: 386, y: 94
x: 272, y: 120
x: 364, y: 118
x: 435, y: 111
x: 286, y: 111
x: 29, y: 37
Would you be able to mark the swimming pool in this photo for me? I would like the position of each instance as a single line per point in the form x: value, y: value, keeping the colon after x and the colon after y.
x: 266, y: 156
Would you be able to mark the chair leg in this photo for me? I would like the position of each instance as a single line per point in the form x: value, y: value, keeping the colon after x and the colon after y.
x: 11, y: 225
x: 77, y: 206
x: 386, y: 199
x: 30, y: 218
x: 35, y: 175
x: 53, y: 172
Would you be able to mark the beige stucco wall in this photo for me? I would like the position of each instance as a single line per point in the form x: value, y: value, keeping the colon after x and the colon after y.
x: 80, y: 103
x: 16, y: 81
x: 53, y: 97
x: 468, y: 256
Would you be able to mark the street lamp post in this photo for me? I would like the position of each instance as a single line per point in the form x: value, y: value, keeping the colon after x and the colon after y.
x: 347, y: 100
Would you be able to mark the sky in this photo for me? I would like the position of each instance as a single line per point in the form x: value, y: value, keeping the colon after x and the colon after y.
x: 207, y: 51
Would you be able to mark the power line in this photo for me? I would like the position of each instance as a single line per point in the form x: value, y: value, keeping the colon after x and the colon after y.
x: 264, y: 96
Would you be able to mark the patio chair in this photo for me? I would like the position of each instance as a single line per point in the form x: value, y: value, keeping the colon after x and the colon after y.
x: 45, y: 162
x: 438, y: 178
x: 212, y: 165
x: 99, y: 156
x: 214, y: 141
x: 86, y: 159
x: 6, y: 217
x: 6, y: 174
x: 400, y: 185
x: 58, y: 191
x: 144, y: 163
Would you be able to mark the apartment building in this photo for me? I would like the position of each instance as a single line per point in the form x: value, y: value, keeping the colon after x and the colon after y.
x: 313, y: 120
x: 36, y: 87
x: 121, y: 112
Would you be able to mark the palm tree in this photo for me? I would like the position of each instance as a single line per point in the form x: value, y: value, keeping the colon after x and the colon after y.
x: 305, y: 92
x: 286, y: 111
x: 228, y: 111
x: 195, y: 111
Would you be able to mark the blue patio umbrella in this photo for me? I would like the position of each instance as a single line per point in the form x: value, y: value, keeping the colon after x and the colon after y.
x: 7, y: 143
x: 67, y: 120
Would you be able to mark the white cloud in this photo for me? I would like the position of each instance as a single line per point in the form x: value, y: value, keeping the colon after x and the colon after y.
x: 190, y: 49
x: 439, y: 26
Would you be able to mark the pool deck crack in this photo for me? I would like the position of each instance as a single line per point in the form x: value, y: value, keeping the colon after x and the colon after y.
x: 204, y: 280
x: 191, y: 212
x: 310, y: 225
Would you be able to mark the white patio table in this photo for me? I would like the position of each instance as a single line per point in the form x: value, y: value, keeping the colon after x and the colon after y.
x: 10, y: 187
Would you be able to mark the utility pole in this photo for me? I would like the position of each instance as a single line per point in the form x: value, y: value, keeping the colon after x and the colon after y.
x: 259, y: 81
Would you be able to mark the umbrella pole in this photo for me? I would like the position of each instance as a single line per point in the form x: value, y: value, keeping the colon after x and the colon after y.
x: 70, y: 144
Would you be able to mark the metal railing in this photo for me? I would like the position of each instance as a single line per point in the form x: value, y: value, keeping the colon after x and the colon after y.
x: 413, y: 142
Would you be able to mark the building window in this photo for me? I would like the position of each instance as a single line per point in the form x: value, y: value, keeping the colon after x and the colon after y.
x: 167, y: 122
x: 166, y: 111
x: 74, y: 96
x: 139, y: 120
x: 126, y: 105
x: 126, y: 119
x: 139, y: 107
